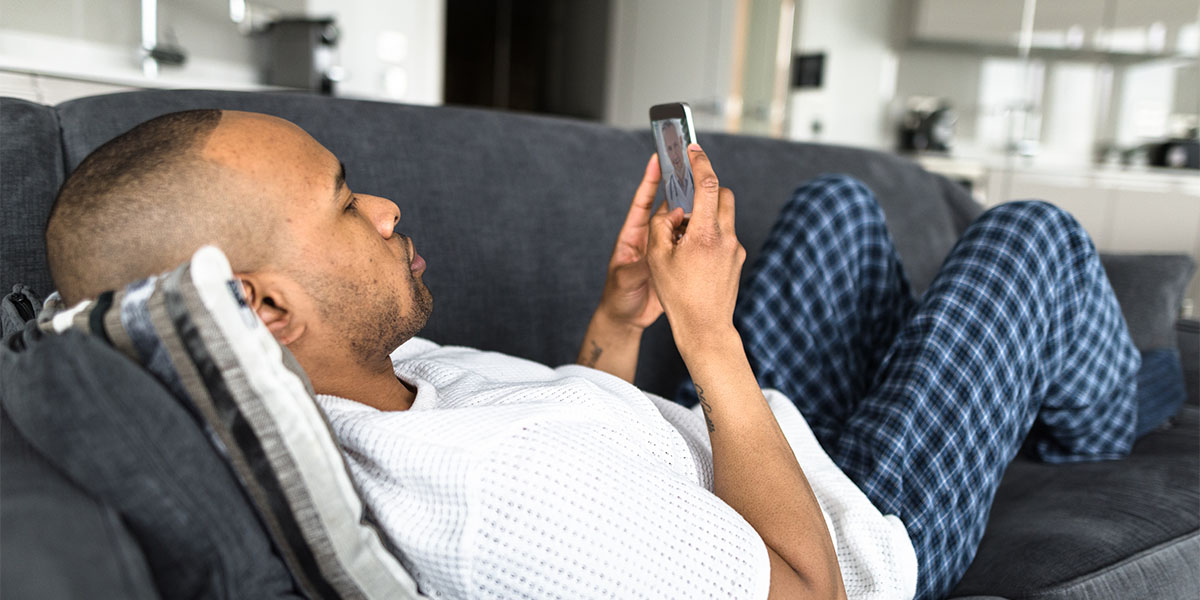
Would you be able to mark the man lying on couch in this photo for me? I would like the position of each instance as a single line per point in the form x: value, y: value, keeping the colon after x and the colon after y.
x: 865, y: 468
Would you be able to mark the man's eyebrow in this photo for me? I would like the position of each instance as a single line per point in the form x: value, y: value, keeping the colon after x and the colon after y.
x: 339, y: 181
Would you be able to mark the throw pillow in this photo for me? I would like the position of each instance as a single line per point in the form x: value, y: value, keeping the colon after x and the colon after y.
x: 1160, y: 392
x: 98, y: 452
x: 1150, y: 288
x: 191, y: 328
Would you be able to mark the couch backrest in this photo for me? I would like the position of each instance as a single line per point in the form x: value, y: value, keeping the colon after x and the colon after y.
x: 515, y: 214
x: 31, y: 171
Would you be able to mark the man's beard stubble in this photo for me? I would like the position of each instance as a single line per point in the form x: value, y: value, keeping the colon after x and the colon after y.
x: 379, y: 331
x: 371, y: 322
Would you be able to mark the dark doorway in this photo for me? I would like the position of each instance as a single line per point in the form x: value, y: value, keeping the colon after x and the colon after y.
x: 543, y: 56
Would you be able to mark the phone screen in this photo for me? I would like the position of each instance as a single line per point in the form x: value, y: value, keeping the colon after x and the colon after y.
x: 672, y: 127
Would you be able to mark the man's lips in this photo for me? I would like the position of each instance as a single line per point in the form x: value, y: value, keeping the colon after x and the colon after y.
x: 417, y: 264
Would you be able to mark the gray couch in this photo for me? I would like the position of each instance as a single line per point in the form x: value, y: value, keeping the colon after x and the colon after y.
x: 516, y: 216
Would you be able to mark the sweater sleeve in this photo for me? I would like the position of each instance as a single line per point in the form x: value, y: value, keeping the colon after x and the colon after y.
x: 610, y: 526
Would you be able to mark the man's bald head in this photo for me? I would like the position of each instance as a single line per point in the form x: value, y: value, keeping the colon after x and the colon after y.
x: 143, y: 202
x: 303, y: 246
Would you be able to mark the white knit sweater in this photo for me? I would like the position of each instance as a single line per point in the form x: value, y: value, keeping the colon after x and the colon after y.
x: 509, y: 479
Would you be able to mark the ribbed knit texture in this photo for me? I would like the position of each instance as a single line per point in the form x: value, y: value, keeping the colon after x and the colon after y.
x: 509, y: 479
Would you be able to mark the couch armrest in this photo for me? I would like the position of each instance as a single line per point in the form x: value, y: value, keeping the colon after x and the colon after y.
x: 1188, y: 332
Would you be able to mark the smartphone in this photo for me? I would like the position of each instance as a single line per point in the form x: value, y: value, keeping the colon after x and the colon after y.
x: 673, y: 131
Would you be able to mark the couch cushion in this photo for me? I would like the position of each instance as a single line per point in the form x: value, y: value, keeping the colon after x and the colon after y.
x: 112, y: 430
x: 1120, y: 527
x: 1187, y: 331
x: 58, y: 542
x: 516, y: 215
x: 1160, y: 390
x: 1150, y: 289
x: 31, y: 171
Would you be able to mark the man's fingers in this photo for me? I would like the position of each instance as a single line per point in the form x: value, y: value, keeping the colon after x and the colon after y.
x: 704, y: 204
x: 649, y: 185
x: 663, y: 226
x: 643, y: 197
x: 725, y: 211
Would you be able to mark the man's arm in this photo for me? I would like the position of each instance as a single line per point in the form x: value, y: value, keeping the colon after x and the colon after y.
x: 629, y: 304
x: 611, y: 347
x: 754, y: 469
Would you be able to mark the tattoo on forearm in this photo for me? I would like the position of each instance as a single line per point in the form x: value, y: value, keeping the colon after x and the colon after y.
x: 706, y: 407
x: 594, y: 356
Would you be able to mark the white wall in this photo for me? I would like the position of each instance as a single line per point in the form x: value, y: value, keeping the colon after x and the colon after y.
x: 669, y: 51
x: 860, y: 71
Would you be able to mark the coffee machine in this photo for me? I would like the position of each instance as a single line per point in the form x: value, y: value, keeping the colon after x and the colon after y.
x: 927, y: 125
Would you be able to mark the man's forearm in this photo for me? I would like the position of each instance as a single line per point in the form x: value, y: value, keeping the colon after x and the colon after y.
x: 610, y: 347
x: 754, y: 469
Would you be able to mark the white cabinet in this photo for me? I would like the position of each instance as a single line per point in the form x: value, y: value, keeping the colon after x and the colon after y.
x: 1129, y: 27
x: 1069, y: 24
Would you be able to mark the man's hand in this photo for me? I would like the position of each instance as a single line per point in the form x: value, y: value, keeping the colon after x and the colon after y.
x: 696, y: 274
x: 629, y: 304
x: 629, y: 299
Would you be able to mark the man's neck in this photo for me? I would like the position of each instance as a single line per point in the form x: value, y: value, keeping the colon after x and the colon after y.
x: 378, y: 388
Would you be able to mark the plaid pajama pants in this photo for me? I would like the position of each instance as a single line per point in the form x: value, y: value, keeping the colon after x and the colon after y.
x: 923, y: 403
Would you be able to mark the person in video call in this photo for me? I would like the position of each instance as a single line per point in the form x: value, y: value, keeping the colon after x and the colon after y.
x: 679, y: 182
x: 848, y: 441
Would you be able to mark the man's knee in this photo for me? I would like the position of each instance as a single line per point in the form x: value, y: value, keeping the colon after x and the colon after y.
x: 1034, y: 220
x: 834, y: 194
x: 1031, y: 215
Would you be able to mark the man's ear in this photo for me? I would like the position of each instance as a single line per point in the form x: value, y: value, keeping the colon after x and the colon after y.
x: 268, y: 297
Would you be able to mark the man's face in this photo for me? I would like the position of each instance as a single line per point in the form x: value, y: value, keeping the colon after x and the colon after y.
x: 359, y: 284
x: 674, y: 143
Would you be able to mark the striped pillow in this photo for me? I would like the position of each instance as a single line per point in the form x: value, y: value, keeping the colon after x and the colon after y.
x: 192, y: 329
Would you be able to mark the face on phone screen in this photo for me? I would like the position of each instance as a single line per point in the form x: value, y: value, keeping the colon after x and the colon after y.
x: 672, y: 137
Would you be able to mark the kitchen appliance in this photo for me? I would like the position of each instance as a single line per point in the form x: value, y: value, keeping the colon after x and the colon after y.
x: 1179, y: 153
x: 927, y: 125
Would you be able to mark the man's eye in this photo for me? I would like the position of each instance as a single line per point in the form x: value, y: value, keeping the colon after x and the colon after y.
x: 353, y: 204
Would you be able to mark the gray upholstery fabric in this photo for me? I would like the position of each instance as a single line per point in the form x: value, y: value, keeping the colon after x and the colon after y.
x: 30, y: 174
x: 1148, y: 574
x: 517, y: 214
x: 1068, y: 525
x: 1188, y: 334
x: 109, y: 427
x: 1149, y: 288
x: 59, y: 543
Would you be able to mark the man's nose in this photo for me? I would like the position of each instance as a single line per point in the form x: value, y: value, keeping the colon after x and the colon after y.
x: 384, y: 214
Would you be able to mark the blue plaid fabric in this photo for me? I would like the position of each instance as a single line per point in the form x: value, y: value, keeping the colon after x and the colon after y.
x: 923, y: 404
